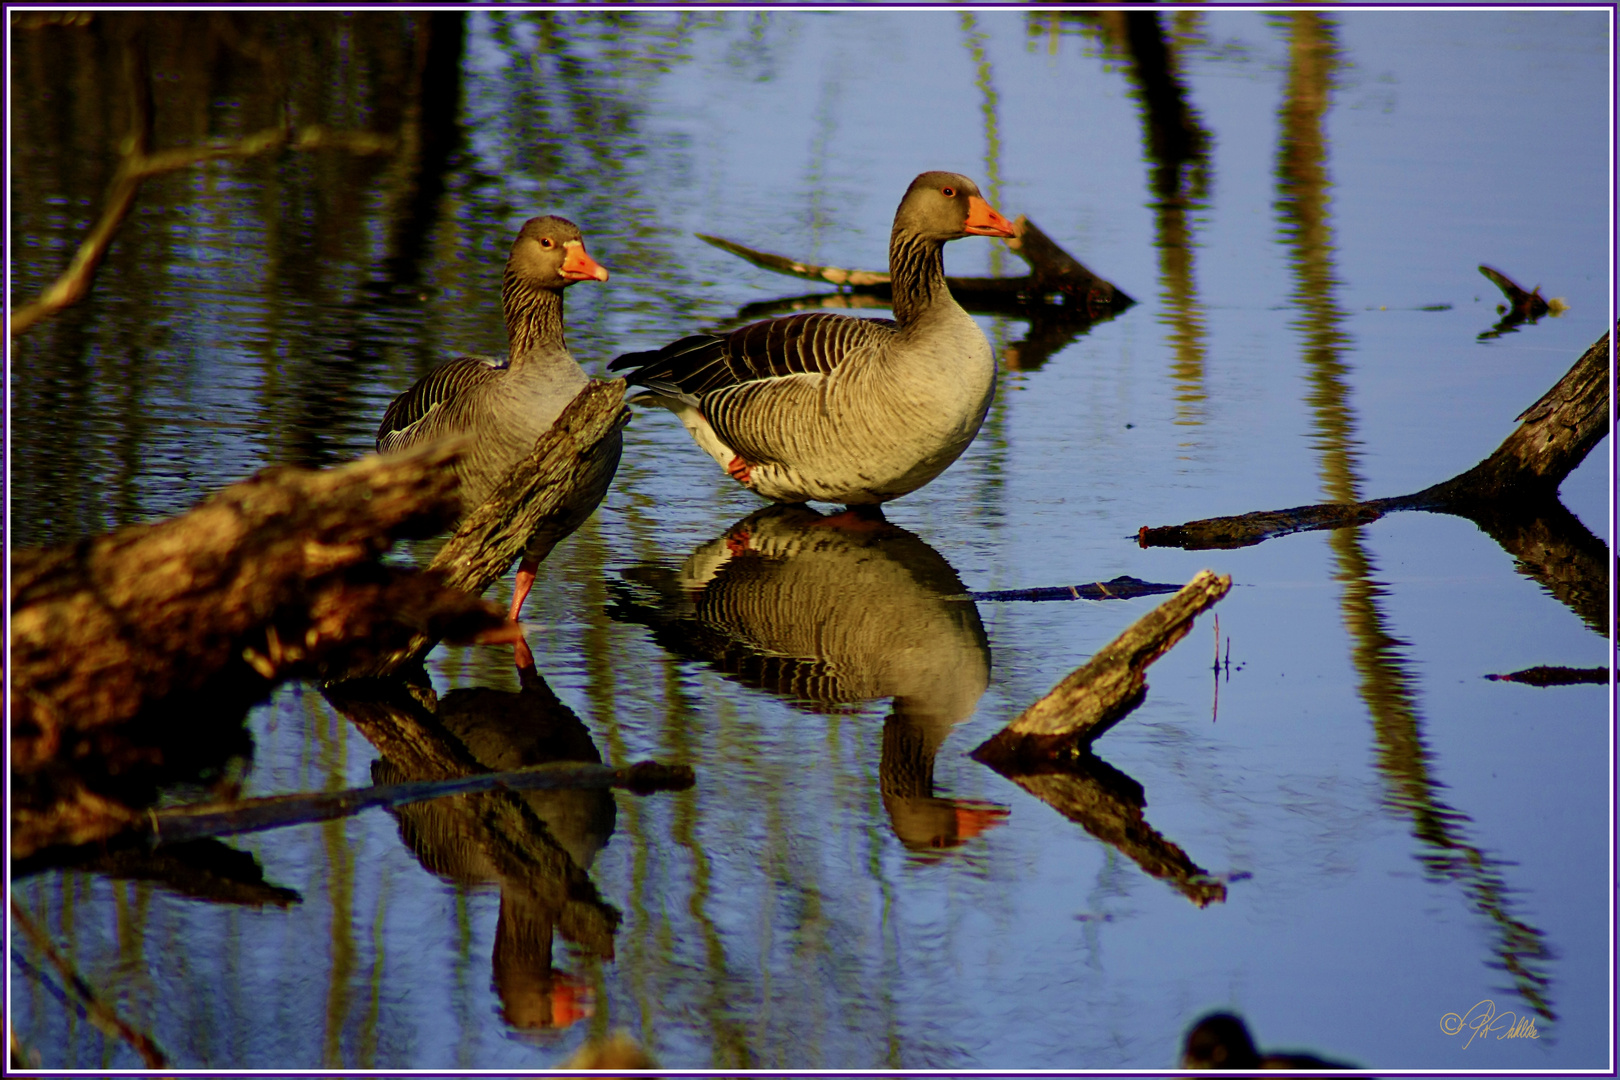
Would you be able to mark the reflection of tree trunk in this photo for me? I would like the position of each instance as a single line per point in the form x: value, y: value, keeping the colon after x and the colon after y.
x: 1384, y: 683
x: 431, y: 138
x: 1178, y: 146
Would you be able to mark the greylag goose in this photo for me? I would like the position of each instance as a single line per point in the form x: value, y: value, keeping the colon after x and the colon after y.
x: 837, y: 408
x: 506, y: 404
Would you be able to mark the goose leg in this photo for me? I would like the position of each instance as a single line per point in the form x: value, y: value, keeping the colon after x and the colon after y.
x: 738, y: 469
x: 521, y: 587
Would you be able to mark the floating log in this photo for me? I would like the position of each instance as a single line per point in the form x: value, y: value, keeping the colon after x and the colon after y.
x: 1099, y: 693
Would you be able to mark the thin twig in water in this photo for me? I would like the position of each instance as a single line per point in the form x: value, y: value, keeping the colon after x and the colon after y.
x: 98, y: 1013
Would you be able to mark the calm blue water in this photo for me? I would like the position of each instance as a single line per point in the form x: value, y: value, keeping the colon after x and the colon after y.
x: 793, y: 909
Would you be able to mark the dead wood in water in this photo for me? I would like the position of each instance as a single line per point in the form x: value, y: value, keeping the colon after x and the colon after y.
x: 1512, y: 496
x: 1123, y: 587
x: 1060, y: 296
x: 127, y: 647
x: 1097, y: 694
x: 527, y: 503
x: 1053, y: 271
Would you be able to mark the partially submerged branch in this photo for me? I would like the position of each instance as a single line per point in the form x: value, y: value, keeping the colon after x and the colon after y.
x: 1097, y: 694
x: 277, y: 811
x: 1511, y: 495
x: 1053, y: 272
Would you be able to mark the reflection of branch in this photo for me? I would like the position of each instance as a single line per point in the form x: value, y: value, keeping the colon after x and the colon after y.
x: 138, y: 164
x: 499, y: 824
x: 1108, y: 805
x: 99, y: 1014
x: 1522, y: 306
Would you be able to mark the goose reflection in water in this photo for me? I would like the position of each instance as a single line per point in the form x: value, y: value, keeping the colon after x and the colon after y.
x: 462, y: 841
x: 830, y: 612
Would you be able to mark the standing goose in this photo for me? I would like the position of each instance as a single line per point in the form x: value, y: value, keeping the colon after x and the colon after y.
x: 837, y: 408
x: 505, y: 405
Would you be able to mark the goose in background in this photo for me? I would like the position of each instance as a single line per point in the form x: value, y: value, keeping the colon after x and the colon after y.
x: 1222, y: 1041
x: 837, y: 408
x: 506, y: 404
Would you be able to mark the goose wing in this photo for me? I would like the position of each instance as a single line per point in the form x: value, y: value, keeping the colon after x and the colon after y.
x: 429, y: 409
x: 798, y: 345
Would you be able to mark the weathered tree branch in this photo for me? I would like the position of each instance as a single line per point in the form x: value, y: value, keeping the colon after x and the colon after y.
x: 1096, y: 695
x: 1511, y: 495
x: 1052, y: 271
x: 527, y: 504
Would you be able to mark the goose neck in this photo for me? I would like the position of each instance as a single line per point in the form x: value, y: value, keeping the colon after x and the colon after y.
x: 534, y: 317
x: 916, y: 274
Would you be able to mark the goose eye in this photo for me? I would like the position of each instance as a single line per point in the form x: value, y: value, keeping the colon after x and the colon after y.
x: 545, y: 242
x: 948, y: 192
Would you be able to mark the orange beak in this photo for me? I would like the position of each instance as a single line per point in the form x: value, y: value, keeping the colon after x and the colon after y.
x: 984, y: 220
x: 578, y: 266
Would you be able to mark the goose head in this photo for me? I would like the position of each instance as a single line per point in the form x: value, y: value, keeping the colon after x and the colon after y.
x: 550, y: 253
x: 948, y: 206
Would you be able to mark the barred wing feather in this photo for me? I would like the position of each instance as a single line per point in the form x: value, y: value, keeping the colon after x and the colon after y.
x: 427, y: 410
x: 814, y: 344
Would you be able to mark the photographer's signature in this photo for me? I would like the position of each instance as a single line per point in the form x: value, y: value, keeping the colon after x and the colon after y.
x: 1483, y: 1019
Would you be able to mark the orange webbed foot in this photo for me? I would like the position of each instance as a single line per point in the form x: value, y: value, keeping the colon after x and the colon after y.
x: 738, y: 470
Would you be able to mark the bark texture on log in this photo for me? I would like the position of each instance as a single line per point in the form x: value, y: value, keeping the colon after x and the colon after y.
x: 528, y: 503
x: 1097, y: 694
x: 128, y: 648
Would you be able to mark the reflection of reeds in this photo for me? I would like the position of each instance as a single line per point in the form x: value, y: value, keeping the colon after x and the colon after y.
x: 1384, y: 683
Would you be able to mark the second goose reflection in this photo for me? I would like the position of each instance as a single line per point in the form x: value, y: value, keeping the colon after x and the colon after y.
x: 831, y: 612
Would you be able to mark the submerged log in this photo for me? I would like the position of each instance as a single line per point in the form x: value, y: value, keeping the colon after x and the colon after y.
x: 1096, y: 695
